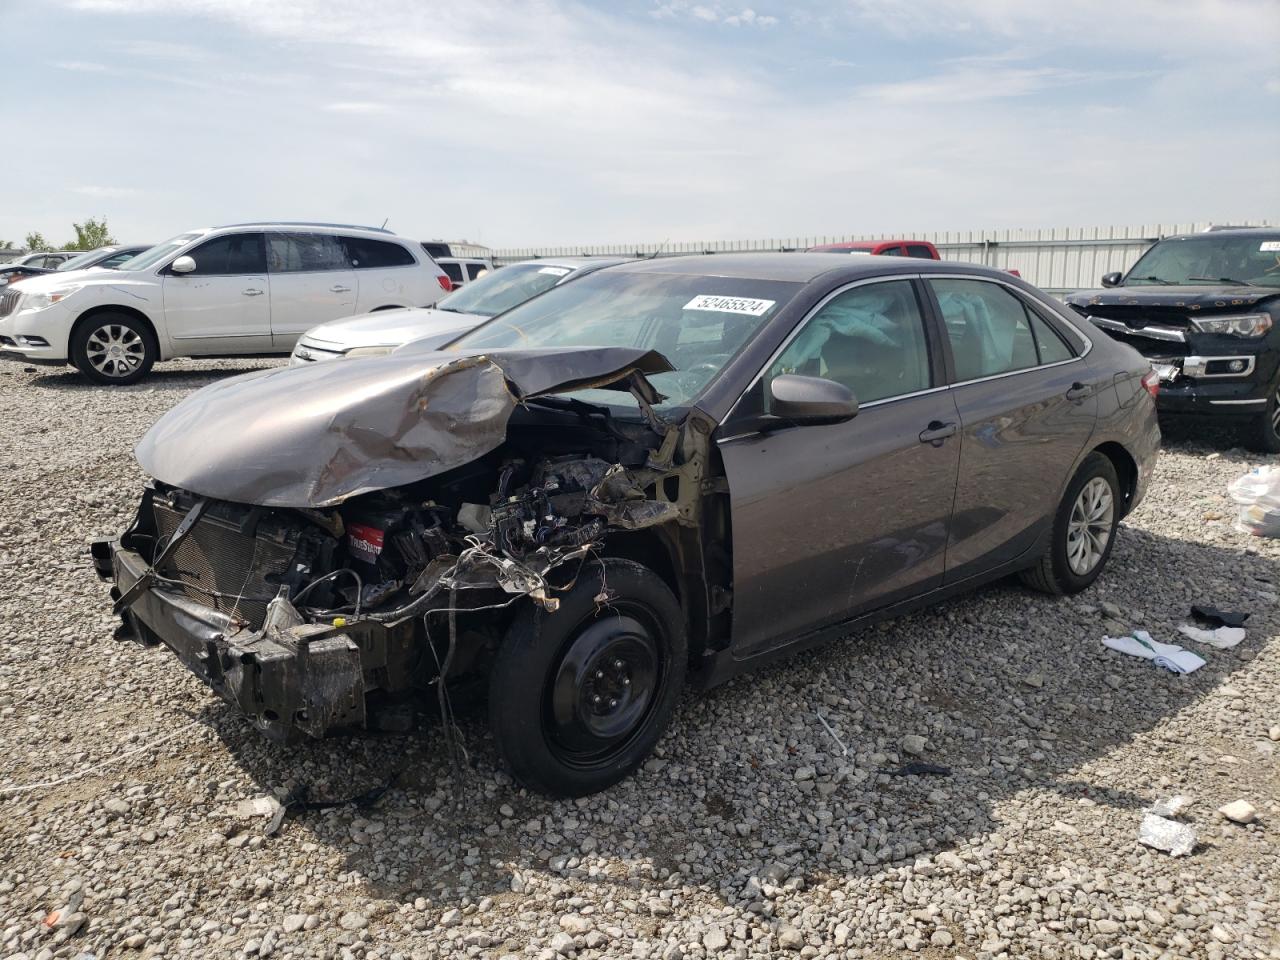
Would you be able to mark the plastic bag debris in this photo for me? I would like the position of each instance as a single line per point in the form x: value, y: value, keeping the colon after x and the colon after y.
x: 1213, y: 618
x: 1161, y: 833
x: 1224, y: 638
x: 266, y: 806
x: 1167, y: 655
x: 1258, y: 494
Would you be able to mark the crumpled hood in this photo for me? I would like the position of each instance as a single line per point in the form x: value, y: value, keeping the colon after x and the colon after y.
x: 1193, y: 298
x: 389, y: 327
x: 315, y: 435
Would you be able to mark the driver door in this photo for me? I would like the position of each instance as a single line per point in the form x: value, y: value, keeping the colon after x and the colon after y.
x: 834, y: 520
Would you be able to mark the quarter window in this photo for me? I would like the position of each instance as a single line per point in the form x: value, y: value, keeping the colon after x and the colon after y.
x: 366, y: 254
x: 305, y: 252
x: 234, y: 253
x: 870, y: 338
x: 992, y: 331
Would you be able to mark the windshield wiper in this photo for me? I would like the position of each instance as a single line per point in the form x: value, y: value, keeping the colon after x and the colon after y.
x: 1232, y: 280
x: 1167, y: 283
x: 580, y: 407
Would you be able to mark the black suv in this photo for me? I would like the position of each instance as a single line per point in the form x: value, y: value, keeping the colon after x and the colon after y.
x: 1205, y: 309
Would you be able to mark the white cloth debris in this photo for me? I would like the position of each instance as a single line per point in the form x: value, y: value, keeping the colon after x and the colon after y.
x: 1224, y: 638
x: 1163, y: 834
x: 1167, y: 655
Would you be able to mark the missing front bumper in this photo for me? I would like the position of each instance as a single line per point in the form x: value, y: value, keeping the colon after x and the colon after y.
x: 289, y: 676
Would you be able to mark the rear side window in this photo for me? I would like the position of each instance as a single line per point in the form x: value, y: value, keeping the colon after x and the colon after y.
x: 477, y: 270
x: 305, y: 253
x: 235, y: 253
x: 366, y: 254
x: 992, y: 331
x: 453, y: 271
x: 891, y: 251
x: 919, y: 251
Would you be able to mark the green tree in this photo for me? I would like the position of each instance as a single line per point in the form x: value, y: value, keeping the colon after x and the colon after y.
x: 35, y: 241
x: 90, y: 235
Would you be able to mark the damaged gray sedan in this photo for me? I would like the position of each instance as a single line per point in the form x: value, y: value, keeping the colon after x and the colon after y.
x: 674, y: 466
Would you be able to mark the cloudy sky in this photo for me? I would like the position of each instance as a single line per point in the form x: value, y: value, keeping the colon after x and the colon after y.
x: 638, y: 120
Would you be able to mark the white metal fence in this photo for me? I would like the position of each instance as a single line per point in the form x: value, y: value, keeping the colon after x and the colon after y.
x: 1057, y: 259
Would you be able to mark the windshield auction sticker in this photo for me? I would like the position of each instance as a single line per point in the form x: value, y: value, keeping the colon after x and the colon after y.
x: 1270, y: 246
x: 744, y: 305
x: 555, y: 271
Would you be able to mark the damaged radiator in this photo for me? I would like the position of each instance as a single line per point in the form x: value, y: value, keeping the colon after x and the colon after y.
x: 232, y: 560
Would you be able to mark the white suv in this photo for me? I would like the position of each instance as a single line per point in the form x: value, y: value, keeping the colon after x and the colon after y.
x: 246, y: 289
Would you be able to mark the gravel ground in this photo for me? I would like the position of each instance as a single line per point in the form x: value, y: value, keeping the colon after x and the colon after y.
x: 752, y: 832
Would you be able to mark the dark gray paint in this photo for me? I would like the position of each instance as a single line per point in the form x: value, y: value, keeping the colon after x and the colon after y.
x: 312, y: 436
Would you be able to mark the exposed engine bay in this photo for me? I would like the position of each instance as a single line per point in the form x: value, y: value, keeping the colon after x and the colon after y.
x: 333, y: 618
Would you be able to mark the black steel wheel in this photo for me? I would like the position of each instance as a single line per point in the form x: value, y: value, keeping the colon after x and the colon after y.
x: 579, y: 697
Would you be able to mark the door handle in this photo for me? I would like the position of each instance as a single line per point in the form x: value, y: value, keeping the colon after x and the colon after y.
x: 1079, y: 390
x: 339, y: 288
x: 252, y: 292
x: 937, y: 432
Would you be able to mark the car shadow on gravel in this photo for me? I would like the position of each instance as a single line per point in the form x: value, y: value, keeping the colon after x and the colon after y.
x: 179, y: 375
x: 1011, y: 690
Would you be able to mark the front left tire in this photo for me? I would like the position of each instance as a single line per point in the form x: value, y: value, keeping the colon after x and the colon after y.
x: 578, y: 698
x: 113, y: 348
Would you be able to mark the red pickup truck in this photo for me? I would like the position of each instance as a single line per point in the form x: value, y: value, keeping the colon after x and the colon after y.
x: 921, y: 249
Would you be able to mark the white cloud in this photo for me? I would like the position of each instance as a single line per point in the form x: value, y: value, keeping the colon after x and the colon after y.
x: 712, y: 13
x: 110, y: 192
x: 82, y: 66
x: 357, y: 106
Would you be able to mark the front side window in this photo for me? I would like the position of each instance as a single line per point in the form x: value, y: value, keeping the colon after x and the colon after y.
x: 366, y: 254
x: 230, y: 255
x: 992, y: 331
x: 476, y: 270
x: 891, y: 251
x: 305, y: 253
x: 870, y: 338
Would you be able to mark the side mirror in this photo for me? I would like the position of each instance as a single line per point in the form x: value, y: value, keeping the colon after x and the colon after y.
x: 183, y: 265
x: 802, y: 400
x: 1112, y: 279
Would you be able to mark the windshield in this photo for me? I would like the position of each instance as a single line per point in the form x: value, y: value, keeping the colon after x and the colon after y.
x: 75, y: 263
x: 149, y: 258
x: 698, y: 323
x: 503, y: 289
x: 1209, y: 258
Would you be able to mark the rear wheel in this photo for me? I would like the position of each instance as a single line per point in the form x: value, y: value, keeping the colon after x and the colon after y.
x: 1264, y: 432
x: 113, y: 348
x: 578, y: 698
x: 1083, y: 530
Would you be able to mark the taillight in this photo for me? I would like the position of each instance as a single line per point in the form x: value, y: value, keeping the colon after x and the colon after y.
x: 445, y: 283
x: 1151, y: 382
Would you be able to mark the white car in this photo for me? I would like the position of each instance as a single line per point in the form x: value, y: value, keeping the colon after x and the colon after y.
x: 464, y: 310
x: 245, y: 289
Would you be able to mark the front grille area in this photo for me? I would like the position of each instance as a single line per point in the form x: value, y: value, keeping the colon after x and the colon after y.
x: 232, y: 551
x: 9, y: 302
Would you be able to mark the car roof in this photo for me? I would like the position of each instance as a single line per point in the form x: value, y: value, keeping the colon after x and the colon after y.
x: 346, y: 227
x: 795, y: 267
x: 1229, y: 232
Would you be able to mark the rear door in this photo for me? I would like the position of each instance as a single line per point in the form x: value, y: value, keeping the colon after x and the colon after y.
x: 312, y: 281
x: 833, y: 520
x: 223, y: 306
x: 1028, y: 405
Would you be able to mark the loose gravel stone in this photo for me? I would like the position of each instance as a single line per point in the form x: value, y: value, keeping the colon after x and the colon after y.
x: 749, y: 833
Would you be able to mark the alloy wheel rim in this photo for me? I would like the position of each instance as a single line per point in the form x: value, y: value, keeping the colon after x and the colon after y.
x: 1089, y: 529
x: 1275, y: 414
x: 115, y: 350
